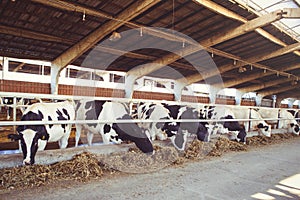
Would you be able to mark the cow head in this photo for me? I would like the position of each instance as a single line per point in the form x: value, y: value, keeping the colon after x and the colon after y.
x: 30, y: 141
x: 202, y: 132
x: 132, y: 132
x: 294, y: 128
x: 264, y: 129
x: 179, y: 140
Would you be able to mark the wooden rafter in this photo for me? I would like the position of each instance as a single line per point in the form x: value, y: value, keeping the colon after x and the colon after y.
x: 264, y: 85
x: 251, y: 77
x: 45, y: 37
x: 249, y: 26
x: 279, y: 90
x: 32, y: 35
x: 227, y: 13
x: 82, y: 46
x: 206, y: 3
x: 251, y: 61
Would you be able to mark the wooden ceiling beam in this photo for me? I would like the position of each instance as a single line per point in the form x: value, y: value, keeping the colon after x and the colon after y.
x: 290, y: 94
x: 264, y: 85
x: 247, y: 27
x: 242, y: 29
x: 251, y: 77
x: 83, y: 45
x: 229, y: 14
x: 249, y: 61
x: 136, y: 56
x: 206, y: 3
x: 44, y: 37
x: 64, y: 5
x: 90, y: 40
x: 33, y: 35
x: 279, y: 90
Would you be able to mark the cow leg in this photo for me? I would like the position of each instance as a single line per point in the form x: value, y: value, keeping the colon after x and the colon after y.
x: 89, y: 137
x: 8, y: 114
x: 63, y: 142
x: 42, y: 145
x: 78, y: 133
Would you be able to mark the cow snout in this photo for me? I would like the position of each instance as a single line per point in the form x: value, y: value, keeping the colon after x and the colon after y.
x: 296, y: 129
x: 27, y: 162
x: 150, y: 153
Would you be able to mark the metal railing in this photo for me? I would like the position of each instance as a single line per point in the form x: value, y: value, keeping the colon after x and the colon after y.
x: 123, y: 100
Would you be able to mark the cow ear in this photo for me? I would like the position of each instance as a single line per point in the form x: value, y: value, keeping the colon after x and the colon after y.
x: 14, y: 137
x: 43, y: 136
x: 260, y: 125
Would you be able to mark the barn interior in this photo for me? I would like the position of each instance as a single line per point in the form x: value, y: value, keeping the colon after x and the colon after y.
x: 228, y: 44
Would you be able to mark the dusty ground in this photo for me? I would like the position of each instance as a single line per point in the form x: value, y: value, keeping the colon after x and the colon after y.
x: 258, y: 173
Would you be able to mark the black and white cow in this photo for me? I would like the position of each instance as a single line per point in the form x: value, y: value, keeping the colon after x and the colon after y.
x: 296, y: 114
x: 288, y: 121
x: 258, y: 124
x: 285, y: 116
x: 232, y: 129
x: 110, y: 132
x: 21, y: 104
x: 176, y: 131
x: 33, y: 138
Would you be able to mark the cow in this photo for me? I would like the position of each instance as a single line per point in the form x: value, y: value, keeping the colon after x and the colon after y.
x: 296, y: 114
x: 176, y: 131
x: 21, y: 104
x: 231, y: 128
x: 33, y: 138
x: 110, y: 132
x: 259, y: 124
x: 288, y: 121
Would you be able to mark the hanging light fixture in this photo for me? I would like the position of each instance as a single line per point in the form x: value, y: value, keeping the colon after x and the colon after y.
x: 83, y: 15
x: 115, y: 36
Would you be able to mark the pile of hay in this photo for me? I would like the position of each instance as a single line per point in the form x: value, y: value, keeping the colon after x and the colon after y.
x: 82, y: 167
x: 86, y: 166
x: 134, y: 161
x: 198, y: 149
x: 263, y: 140
x: 223, y: 145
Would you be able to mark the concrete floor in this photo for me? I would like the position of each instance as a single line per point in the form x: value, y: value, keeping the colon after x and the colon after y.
x: 271, y: 172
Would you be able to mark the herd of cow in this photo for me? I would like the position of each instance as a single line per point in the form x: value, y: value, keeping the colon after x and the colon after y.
x: 165, y: 121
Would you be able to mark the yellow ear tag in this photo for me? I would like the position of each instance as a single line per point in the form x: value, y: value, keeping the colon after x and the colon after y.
x: 43, y: 137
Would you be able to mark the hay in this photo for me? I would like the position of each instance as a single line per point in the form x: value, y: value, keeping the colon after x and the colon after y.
x: 82, y: 167
x: 274, y: 139
x: 198, y: 149
x: 134, y: 161
x: 223, y: 145
x: 86, y: 166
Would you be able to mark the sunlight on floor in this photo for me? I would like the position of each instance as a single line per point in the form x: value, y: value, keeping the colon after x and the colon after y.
x: 288, y: 188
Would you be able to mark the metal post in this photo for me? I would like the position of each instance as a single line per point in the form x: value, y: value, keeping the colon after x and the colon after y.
x: 14, y: 112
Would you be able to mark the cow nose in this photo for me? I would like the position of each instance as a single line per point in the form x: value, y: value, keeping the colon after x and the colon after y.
x: 266, y: 128
x: 150, y: 153
x: 297, y: 128
x: 27, y: 163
